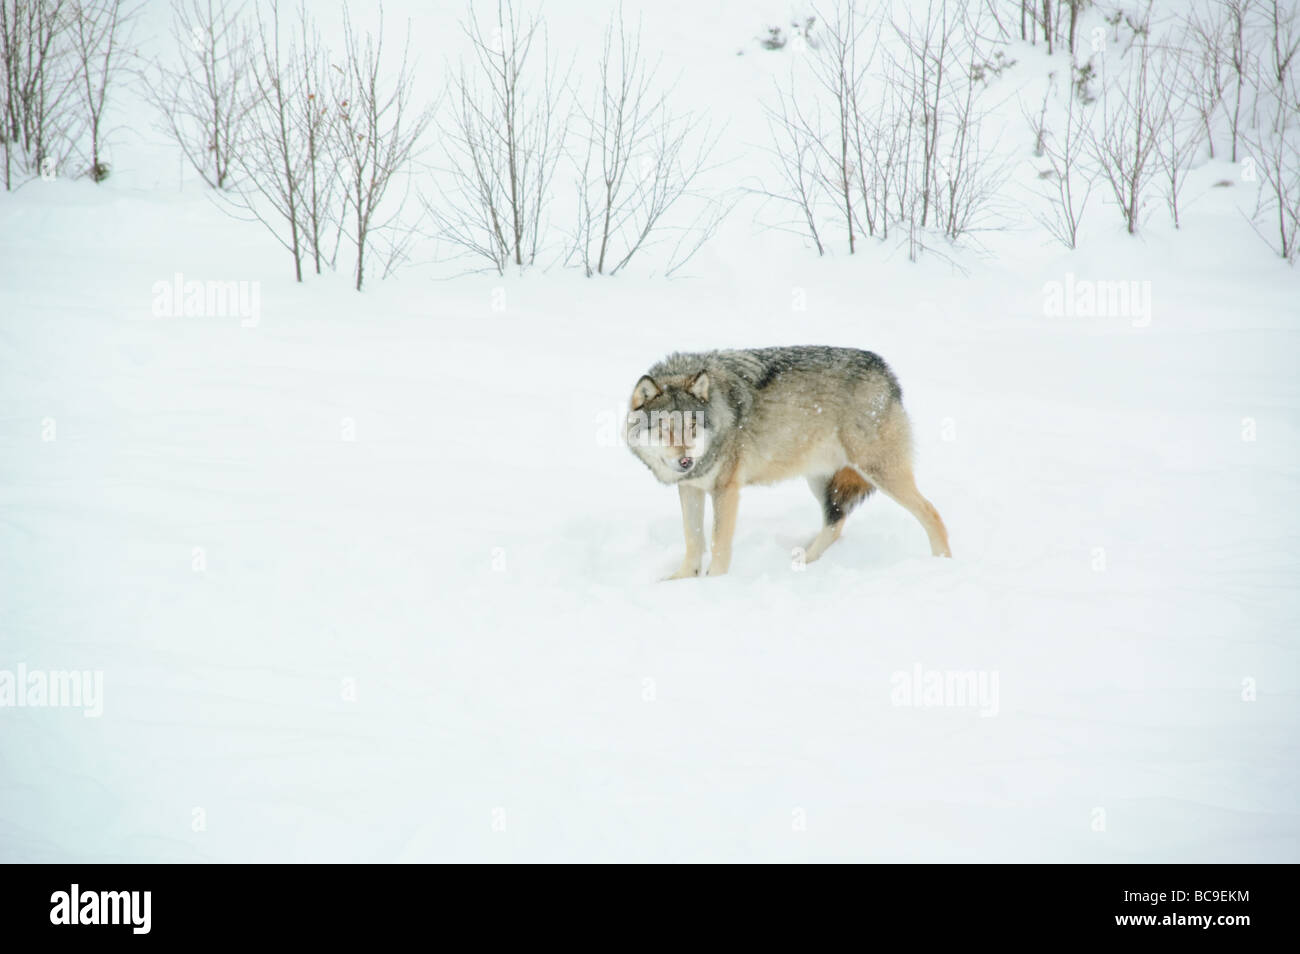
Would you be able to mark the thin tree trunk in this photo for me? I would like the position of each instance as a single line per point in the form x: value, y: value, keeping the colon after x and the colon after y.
x: 361, y: 237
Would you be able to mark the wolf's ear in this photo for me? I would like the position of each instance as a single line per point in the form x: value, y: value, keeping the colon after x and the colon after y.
x: 699, y: 385
x: 645, y: 390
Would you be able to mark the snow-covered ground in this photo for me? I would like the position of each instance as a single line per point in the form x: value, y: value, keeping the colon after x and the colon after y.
x: 370, y: 581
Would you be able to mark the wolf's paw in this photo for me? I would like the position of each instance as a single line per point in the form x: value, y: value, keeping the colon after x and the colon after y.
x: 683, y: 573
x: 813, y: 551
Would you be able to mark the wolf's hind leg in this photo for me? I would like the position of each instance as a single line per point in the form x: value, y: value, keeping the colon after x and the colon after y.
x: 900, y: 485
x: 838, y: 495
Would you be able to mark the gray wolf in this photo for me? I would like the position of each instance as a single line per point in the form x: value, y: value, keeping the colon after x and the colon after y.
x: 716, y: 421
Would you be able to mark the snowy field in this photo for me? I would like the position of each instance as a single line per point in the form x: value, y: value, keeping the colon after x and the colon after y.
x: 368, y: 579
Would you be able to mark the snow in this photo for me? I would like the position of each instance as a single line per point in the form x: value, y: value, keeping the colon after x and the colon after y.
x: 426, y: 622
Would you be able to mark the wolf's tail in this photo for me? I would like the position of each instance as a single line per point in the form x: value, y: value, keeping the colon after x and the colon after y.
x: 845, y: 490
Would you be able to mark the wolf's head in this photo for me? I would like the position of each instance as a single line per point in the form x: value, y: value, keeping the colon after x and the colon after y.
x: 668, y: 424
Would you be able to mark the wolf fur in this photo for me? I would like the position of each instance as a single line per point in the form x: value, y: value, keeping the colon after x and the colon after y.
x: 716, y: 421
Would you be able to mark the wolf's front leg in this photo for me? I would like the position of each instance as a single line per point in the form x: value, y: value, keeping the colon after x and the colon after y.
x: 726, y: 499
x: 693, y: 526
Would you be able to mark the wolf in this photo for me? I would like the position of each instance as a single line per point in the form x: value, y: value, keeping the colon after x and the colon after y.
x: 717, y: 421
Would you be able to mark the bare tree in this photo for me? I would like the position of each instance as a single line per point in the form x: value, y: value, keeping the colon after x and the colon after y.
x: 841, y: 68
x: 1205, y: 80
x: 313, y: 117
x: 926, y: 60
x: 1177, y: 129
x: 1072, y: 178
x: 40, y: 119
x: 795, y: 148
x: 1284, y: 36
x: 1276, y: 149
x: 504, y: 135
x: 833, y: 146
x: 1238, y: 14
x: 971, y: 176
x: 903, y: 111
x: 884, y: 164
x: 1124, y: 147
x: 949, y: 68
x: 270, y: 159
x: 1076, y: 7
x: 379, y: 132
x: 899, y: 145
x: 469, y: 212
x: 645, y: 158
x: 97, y: 35
x: 203, y: 103
x: 1038, y: 124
